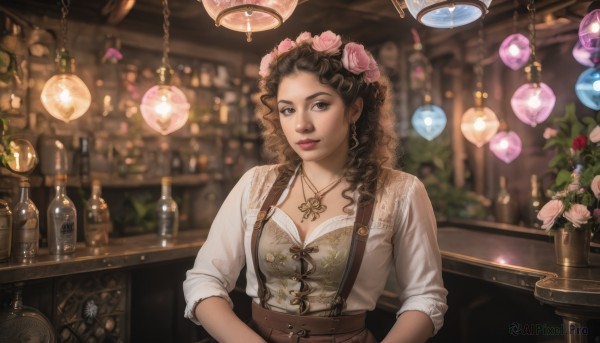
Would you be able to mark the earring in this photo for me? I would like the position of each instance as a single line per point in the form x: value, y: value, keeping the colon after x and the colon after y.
x: 355, y: 141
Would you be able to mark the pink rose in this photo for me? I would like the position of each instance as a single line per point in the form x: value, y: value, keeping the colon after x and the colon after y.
x: 355, y: 59
x: 285, y: 46
x: 304, y: 37
x: 578, y: 215
x: 373, y: 73
x: 549, y: 133
x: 327, y: 42
x: 595, y: 186
x: 265, y: 64
x: 595, y: 135
x: 549, y: 212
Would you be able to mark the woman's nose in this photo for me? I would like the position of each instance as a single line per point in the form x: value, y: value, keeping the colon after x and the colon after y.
x: 303, y: 122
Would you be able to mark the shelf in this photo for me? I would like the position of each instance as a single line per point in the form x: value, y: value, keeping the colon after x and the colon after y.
x: 117, y: 182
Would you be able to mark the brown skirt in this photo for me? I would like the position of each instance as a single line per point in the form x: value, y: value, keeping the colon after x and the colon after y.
x: 277, y: 327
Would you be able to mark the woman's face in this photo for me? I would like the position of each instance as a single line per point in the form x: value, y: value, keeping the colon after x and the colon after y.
x: 313, y: 118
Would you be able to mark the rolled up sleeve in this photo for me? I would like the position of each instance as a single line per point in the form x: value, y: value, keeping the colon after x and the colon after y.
x: 221, y: 258
x: 417, y: 257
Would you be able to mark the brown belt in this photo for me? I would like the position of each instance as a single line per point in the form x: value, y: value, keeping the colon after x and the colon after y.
x: 304, y: 326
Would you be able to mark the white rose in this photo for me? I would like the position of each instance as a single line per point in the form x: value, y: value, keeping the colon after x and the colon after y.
x: 578, y: 215
x: 549, y: 212
x: 595, y: 134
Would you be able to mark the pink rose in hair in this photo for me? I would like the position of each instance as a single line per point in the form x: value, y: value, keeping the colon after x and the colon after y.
x: 595, y: 186
x: 355, y: 59
x: 373, y: 73
x: 578, y: 215
x: 549, y: 212
x: 285, y: 46
x: 327, y: 42
x: 304, y: 37
x: 265, y: 63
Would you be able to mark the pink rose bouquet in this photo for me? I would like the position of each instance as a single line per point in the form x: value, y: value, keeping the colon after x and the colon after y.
x: 575, y: 200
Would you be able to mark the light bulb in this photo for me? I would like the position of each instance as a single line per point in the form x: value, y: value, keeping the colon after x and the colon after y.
x: 429, y: 121
x: 479, y: 125
x: 165, y: 108
x: 66, y: 97
x: 514, y: 51
x: 587, y: 88
x: 532, y: 103
x: 589, y: 30
x: 506, y: 146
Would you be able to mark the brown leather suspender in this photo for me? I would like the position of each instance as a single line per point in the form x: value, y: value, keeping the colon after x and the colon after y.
x: 360, y: 234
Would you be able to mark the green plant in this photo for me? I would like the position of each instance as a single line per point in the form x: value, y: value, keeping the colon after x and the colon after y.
x: 576, y: 189
x: 5, y: 139
x: 139, y: 212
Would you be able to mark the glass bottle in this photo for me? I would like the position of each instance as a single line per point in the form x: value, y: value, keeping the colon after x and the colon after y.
x: 5, y: 230
x: 62, y: 220
x: 96, y: 220
x: 167, y: 212
x: 84, y: 160
x: 26, y: 226
x: 535, y: 202
x: 505, y: 209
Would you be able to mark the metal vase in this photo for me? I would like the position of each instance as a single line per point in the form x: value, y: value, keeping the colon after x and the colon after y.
x: 572, y: 247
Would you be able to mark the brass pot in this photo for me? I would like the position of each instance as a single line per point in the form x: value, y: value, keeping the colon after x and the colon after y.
x: 572, y: 247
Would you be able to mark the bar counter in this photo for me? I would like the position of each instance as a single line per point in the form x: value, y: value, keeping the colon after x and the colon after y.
x: 512, y: 256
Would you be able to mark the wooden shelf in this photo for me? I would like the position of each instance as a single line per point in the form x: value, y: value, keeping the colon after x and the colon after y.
x: 117, y: 182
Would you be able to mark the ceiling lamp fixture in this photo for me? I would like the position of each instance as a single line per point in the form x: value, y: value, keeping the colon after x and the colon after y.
x: 249, y: 15
x: 447, y: 13
x: 164, y: 106
x: 506, y: 146
x: 514, y: 50
x: 587, y: 88
x: 65, y: 96
x: 589, y: 28
x: 533, y: 102
x: 479, y: 123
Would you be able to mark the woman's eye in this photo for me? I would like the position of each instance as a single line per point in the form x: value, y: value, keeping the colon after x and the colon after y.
x: 286, y: 111
x: 321, y: 105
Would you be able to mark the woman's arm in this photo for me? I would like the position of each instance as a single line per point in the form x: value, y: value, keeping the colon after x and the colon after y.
x: 410, y: 327
x: 219, y: 320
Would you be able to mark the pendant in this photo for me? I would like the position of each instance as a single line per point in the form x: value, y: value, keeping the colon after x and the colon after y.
x: 312, y: 208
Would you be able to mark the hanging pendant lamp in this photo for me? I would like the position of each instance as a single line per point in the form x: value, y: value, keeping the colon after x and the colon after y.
x: 249, y: 15
x: 447, y: 13
x: 164, y: 106
x: 65, y: 96
x: 583, y: 56
x: 429, y: 120
x: 589, y: 28
x: 506, y: 146
x: 587, y: 88
x: 533, y: 102
x: 514, y: 51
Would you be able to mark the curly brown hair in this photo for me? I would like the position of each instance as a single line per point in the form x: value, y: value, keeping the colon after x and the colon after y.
x: 374, y: 128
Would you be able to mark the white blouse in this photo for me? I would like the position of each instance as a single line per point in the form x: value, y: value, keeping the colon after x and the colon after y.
x: 402, y: 235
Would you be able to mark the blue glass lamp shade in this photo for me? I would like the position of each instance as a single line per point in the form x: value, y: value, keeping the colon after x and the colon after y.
x: 587, y: 88
x: 429, y: 121
x: 447, y: 13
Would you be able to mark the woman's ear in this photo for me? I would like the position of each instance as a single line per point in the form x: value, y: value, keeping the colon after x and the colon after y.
x: 355, y: 110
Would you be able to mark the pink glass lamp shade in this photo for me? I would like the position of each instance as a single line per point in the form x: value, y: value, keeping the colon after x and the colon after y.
x: 429, y: 121
x: 165, y: 108
x: 65, y: 96
x: 514, y: 51
x: 589, y: 30
x: 506, y: 146
x: 479, y: 125
x: 249, y: 15
x: 584, y: 56
x: 533, y: 102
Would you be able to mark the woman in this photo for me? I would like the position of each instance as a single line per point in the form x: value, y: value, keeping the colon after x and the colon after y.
x: 320, y: 231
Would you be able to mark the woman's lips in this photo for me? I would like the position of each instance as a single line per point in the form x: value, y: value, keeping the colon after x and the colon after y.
x: 307, y: 144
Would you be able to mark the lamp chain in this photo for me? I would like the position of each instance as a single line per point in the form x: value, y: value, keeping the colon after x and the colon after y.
x: 480, y: 54
x: 531, y: 9
x: 166, y: 24
x: 515, y: 18
x: 63, y: 21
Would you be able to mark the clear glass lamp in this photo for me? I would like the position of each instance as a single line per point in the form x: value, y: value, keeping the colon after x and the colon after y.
x: 447, y: 13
